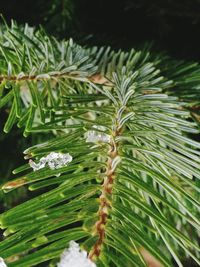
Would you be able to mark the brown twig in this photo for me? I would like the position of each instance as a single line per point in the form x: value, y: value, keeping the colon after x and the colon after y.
x: 95, y: 78
x: 105, y: 199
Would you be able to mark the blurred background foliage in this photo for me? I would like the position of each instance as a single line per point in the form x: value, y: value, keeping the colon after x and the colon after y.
x: 172, y: 25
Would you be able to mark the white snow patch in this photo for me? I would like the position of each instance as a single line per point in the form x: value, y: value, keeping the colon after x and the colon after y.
x: 2, y: 263
x: 95, y: 136
x: 74, y: 257
x: 54, y: 160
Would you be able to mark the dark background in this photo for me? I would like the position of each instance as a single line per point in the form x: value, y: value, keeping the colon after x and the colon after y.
x: 172, y: 26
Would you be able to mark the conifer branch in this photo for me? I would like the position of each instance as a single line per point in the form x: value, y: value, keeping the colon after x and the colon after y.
x: 119, y: 163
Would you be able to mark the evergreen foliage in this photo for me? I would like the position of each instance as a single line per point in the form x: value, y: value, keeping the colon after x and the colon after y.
x: 134, y: 179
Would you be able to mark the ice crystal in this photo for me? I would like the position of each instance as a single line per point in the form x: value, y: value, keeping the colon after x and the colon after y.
x: 95, y: 136
x: 2, y: 263
x: 74, y: 257
x: 53, y: 160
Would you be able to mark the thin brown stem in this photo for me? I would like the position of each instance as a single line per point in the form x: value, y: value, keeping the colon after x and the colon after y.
x: 96, y: 78
x: 105, y: 199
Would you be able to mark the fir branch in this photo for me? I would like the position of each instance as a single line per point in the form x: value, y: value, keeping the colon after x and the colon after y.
x: 133, y: 180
